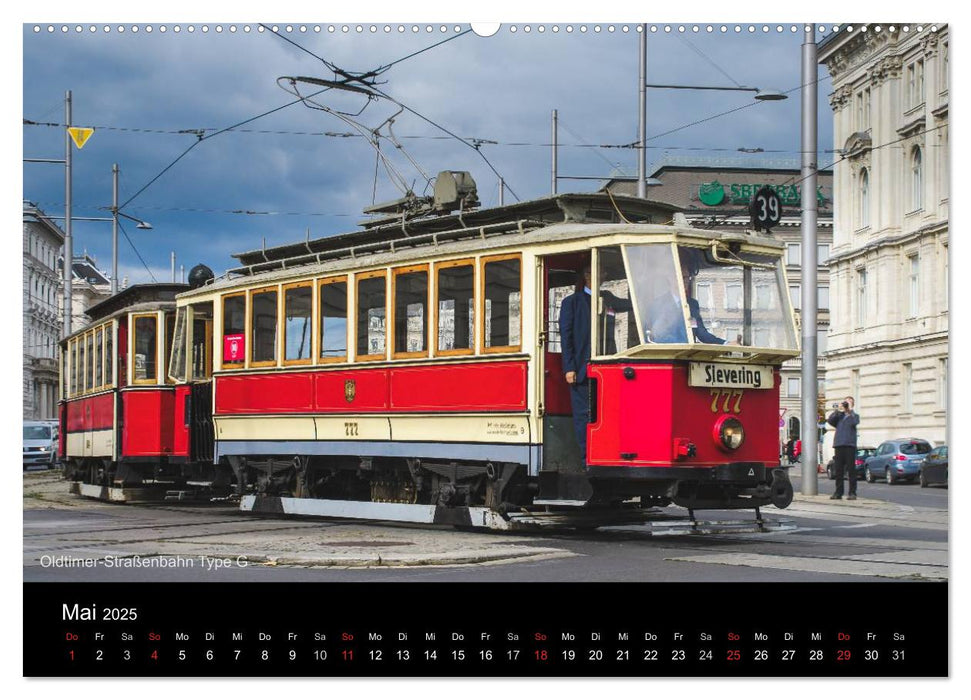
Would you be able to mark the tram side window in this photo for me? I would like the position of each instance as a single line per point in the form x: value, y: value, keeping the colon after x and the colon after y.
x: 89, y: 360
x: 371, y: 317
x: 234, y: 330
x: 617, y: 327
x: 502, y: 320
x: 264, y: 326
x: 74, y: 366
x: 201, y: 341
x: 177, y: 356
x: 109, y: 356
x: 333, y: 319
x: 298, y: 323
x: 146, y: 349
x: 169, y: 339
x: 456, y: 308
x: 411, y: 311
x: 98, y: 357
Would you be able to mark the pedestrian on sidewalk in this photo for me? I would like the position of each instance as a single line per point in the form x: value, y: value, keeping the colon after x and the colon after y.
x: 845, y: 420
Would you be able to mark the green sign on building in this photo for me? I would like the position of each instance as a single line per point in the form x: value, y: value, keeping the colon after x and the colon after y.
x: 713, y: 194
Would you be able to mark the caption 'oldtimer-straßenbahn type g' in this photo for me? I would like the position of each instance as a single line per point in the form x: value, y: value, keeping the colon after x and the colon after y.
x: 413, y: 370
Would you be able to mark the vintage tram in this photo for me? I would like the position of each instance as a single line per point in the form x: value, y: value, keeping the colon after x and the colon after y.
x: 413, y: 371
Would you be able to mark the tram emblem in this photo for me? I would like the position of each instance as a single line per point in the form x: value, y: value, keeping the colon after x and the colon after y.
x: 349, y: 390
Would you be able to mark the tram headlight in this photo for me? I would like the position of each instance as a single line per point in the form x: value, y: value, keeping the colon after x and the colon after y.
x: 729, y: 433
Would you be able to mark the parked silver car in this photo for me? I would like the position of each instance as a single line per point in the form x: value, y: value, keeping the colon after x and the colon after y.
x: 40, y: 444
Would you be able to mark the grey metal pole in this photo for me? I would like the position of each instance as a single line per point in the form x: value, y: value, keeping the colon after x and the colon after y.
x: 553, y: 184
x: 810, y: 486
x: 173, y: 266
x: 642, y: 117
x: 68, y: 271
x: 502, y: 191
x: 114, y: 229
x: 182, y: 274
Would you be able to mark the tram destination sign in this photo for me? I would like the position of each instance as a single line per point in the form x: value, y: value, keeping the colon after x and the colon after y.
x: 712, y: 374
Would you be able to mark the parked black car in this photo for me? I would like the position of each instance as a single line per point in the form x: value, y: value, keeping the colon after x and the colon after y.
x: 861, y: 454
x: 934, y: 468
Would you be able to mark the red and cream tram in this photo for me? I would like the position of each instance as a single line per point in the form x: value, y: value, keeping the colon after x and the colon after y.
x: 413, y: 371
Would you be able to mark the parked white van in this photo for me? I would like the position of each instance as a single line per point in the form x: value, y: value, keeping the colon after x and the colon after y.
x: 40, y: 444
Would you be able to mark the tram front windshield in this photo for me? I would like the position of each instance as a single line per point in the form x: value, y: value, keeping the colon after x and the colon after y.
x: 680, y: 294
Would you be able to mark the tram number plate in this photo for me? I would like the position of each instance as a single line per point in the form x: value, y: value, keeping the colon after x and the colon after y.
x: 729, y: 376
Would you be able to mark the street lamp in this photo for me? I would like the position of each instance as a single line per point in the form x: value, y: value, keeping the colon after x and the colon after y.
x: 760, y: 95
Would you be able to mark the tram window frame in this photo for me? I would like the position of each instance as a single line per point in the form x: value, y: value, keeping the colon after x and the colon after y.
x: 358, y: 279
x: 222, y: 334
x: 89, y: 361
x: 308, y: 360
x: 168, y: 341
x: 109, y: 361
x: 99, y: 357
x: 436, y: 308
x: 483, y: 284
x: 133, y: 329
x: 395, y: 273
x: 73, y: 345
x: 322, y: 326
x: 251, y: 327
x: 199, y: 313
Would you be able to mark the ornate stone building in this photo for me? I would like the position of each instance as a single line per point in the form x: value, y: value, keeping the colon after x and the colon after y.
x: 888, y: 342
x: 43, y: 241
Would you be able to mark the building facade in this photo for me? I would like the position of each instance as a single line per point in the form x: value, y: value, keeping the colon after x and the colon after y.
x: 888, y: 344
x: 89, y: 286
x: 42, y: 306
x: 714, y: 193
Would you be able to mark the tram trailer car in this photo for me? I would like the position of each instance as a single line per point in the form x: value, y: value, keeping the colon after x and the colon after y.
x: 413, y: 371
x: 123, y: 435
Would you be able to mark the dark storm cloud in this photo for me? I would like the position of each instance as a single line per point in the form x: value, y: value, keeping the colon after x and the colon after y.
x: 501, y: 88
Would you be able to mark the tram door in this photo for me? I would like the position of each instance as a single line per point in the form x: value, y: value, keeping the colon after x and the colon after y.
x: 200, y: 377
x: 561, y: 452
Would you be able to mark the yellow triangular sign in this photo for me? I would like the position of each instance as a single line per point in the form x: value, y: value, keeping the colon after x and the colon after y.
x: 80, y: 135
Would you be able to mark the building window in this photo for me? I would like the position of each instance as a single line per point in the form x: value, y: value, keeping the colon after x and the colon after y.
x: 763, y: 296
x: 916, y: 180
x: 703, y: 295
x: 864, y: 198
x: 822, y: 254
x: 915, y: 83
x: 861, y: 299
x: 793, y: 386
x: 822, y: 297
x: 821, y: 342
x: 863, y: 109
x: 733, y: 297
x: 942, y: 382
x: 793, y: 253
x: 908, y: 387
x: 762, y: 338
x: 795, y: 294
x: 914, y: 261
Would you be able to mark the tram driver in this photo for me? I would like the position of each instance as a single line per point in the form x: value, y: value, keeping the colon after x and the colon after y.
x: 665, y: 319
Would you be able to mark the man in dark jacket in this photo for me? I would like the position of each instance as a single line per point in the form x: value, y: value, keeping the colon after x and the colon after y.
x: 845, y: 420
x: 575, y: 341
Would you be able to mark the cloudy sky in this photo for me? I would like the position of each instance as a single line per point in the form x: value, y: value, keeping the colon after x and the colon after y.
x: 150, y: 95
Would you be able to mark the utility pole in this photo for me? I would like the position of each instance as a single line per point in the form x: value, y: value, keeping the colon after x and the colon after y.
x: 68, y: 270
x: 553, y: 185
x: 173, y: 266
x: 642, y: 121
x: 114, y: 229
x: 809, y: 261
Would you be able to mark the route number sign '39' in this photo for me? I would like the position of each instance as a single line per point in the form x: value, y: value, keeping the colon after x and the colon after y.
x: 765, y: 209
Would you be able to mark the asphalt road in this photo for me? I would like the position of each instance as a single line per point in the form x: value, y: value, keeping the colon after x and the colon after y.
x: 892, y: 533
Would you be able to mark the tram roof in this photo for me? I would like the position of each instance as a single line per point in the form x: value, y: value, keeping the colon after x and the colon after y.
x: 136, y: 295
x: 596, y: 207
